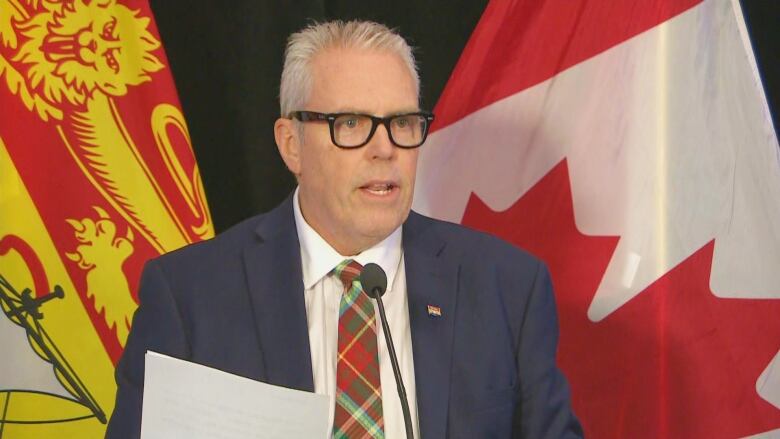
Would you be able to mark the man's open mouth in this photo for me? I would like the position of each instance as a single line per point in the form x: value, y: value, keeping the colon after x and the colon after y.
x: 379, y: 188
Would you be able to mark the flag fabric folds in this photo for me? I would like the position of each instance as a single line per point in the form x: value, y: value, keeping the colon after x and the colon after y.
x: 630, y: 146
x: 97, y: 175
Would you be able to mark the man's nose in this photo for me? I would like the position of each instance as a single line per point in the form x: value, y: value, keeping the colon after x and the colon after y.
x: 380, y: 146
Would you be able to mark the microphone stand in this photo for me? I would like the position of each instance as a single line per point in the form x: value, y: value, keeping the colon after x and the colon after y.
x: 377, y: 294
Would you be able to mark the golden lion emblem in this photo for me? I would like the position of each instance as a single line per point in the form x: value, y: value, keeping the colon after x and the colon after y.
x: 101, y: 253
x: 74, y: 48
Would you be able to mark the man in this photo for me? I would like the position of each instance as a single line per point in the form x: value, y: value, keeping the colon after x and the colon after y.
x: 271, y: 299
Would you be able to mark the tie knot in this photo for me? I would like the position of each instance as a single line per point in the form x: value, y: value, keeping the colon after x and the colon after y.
x: 347, y: 271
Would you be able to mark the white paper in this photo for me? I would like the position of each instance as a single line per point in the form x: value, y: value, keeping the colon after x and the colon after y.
x: 188, y: 400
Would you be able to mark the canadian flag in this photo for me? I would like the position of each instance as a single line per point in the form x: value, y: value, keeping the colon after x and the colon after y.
x: 630, y: 146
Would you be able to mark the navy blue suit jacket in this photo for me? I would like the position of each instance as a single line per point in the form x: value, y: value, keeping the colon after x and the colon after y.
x: 485, y: 368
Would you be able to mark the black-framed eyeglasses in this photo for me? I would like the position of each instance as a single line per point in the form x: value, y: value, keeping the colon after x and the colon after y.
x: 353, y: 130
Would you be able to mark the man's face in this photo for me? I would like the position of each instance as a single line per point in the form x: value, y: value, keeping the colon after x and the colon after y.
x: 354, y: 198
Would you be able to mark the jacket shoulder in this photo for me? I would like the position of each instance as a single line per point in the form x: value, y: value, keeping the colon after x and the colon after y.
x: 474, y: 245
x: 224, y: 247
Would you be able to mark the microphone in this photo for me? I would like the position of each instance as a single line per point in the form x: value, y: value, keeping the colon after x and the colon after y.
x: 374, y: 282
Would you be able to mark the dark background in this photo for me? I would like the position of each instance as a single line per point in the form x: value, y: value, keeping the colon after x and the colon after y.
x: 226, y: 59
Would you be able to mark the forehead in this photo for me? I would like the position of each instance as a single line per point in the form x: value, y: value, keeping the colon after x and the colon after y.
x: 364, y: 80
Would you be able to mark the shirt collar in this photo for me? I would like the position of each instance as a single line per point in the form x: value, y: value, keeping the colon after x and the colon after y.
x: 318, y: 258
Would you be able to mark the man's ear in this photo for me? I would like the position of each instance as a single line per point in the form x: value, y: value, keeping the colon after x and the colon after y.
x: 289, y: 144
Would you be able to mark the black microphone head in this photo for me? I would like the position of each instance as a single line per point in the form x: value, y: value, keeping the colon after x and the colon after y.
x: 374, y: 280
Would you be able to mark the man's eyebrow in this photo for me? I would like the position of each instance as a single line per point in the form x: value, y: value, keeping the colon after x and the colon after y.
x: 391, y: 113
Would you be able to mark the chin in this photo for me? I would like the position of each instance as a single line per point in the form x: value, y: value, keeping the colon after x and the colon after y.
x: 381, y: 226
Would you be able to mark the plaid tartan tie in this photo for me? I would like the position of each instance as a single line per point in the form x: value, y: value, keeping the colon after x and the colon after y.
x: 358, y: 393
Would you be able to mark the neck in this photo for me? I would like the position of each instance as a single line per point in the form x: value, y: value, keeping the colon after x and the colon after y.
x: 346, y: 244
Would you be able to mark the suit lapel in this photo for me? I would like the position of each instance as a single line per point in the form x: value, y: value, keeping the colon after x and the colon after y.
x: 273, y: 268
x: 431, y: 279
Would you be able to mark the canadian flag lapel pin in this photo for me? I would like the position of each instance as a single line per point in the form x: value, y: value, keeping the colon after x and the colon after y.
x: 434, y: 311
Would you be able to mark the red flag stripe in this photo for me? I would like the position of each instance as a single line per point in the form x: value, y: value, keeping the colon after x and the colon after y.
x: 510, y: 48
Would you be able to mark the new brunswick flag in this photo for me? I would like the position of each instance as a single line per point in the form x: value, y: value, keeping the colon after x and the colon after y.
x: 97, y: 175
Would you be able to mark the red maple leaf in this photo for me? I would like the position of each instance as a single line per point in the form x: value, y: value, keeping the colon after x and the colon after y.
x: 675, y: 361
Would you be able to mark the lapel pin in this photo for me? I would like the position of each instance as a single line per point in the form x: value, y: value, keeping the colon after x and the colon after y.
x: 434, y: 311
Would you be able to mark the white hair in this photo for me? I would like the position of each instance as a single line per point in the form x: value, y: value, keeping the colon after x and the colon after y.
x: 304, y: 45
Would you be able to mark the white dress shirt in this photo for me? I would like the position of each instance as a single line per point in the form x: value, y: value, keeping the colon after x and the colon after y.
x: 322, y: 294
